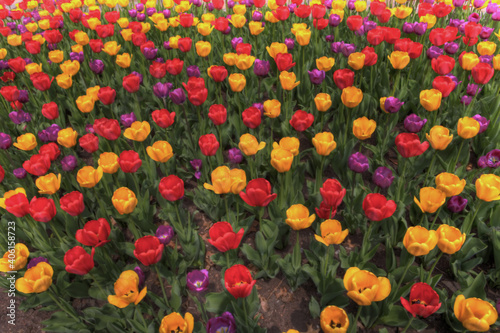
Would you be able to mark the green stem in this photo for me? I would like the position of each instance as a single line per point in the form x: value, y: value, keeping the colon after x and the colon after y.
x: 401, y: 181
x: 319, y: 174
x: 458, y: 156
x: 245, y: 311
x: 161, y: 284
x: 408, y: 325
x: 228, y: 262
x: 407, y: 267
x: 430, y: 167
x: 433, y: 266
x: 436, y: 217
x: 355, y: 323
x: 227, y: 207
x: 54, y: 229
x: 468, y: 227
x: 54, y: 298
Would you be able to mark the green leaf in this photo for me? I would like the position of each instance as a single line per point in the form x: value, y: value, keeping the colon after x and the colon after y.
x: 397, y: 316
x: 217, y: 302
x: 314, y: 308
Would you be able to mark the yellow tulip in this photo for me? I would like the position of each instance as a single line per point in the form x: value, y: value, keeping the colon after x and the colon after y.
x: 399, y: 59
x: 474, y: 313
x: 431, y: 99
x: 467, y: 127
x: 138, y: 131
x: 64, y: 81
x: 123, y: 60
x: 221, y: 181
x: 288, y: 80
x: 364, y: 287
x: 33, y: 68
x: 323, y: 102
x: 36, y: 279
x: 450, y: 184
x: 108, y: 162
x: 14, y: 40
x: 363, y: 128
x: 48, y: 184
x: 124, y: 200
x: 272, y: 108
x: 81, y: 38
x: 238, y: 180
x: 333, y: 320
x: 127, y: 290
x: 351, y: 97
x: 439, y: 137
x: 111, y: 48
x: 298, y: 218
x: 67, y: 137
x: 205, y: 29
x: 255, y: 28
x: 356, y: 60
x: 88, y: 176
x: 303, y: 37
x: 419, y: 241
x: 488, y: 187
x: 203, y: 48
x: 237, y: 82
x: 331, y: 233
x: 238, y: 20
x: 469, y: 61
x: 230, y: 59
x: 325, y: 63
x: 430, y: 199
x: 324, y: 143
x: 26, y: 142
x: 281, y: 159
x: 276, y: 48
x: 85, y: 103
x: 288, y: 143
x: 249, y: 144
x: 160, y: 151
x: 14, y: 259
x: 450, y: 239
x: 486, y: 48
x: 175, y: 323
x: 244, y: 61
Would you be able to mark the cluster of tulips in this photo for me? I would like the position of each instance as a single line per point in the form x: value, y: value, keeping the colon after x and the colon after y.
x: 118, y: 117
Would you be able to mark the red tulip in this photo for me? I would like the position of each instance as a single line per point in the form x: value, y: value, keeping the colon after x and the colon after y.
x: 281, y: 13
x: 472, y: 29
x: 377, y: 207
x: 482, y: 73
x: 139, y: 38
x: 105, y: 30
x: 221, y: 24
x: 129, y: 161
x: 301, y: 120
x: 185, y: 44
x: 376, y: 8
x: 238, y: 281
x: 75, y: 15
x: 78, y: 261
x: 10, y: 93
x: 38, y: 164
x: 107, y: 128
x: 33, y: 47
x: 95, y: 233
x: 244, y: 48
x: 2, y: 174
x: 354, y: 22
x: 51, y: 149
x: 320, y: 24
x: 112, y: 17
x: 375, y: 36
x: 72, y: 203
x: 171, y: 188
x: 385, y: 16
x: 441, y: 9
x: 258, y: 193
x: 371, y: 56
x: 148, y: 250
x: 218, y: 73
x: 18, y: 205
x: 409, y: 145
x: 53, y: 36
x: 163, y: 118
x: 89, y: 142
x: 343, y: 78
x: 391, y: 35
x: 443, y: 64
x: 106, y: 95
x: 208, y: 144
x: 186, y: 20
x: 41, y: 81
x: 303, y: 11
x: 318, y: 11
x: 174, y: 66
x: 423, y: 302
x: 332, y: 193
x: 217, y: 113
x: 131, y: 83
x: 444, y: 84
x: 17, y: 64
x: 158, y: 69
x: 284, y: 61
x: 325, y: 212
x: 252, y: 117
x: 50, y: 111
x: 223, y: 238
x: 42, y: 209
x: 258, y: 3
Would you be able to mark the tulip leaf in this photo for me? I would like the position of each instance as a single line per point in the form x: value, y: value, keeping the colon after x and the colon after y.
x: 476, y: 289
x: 314, y: 308
x: 217, y: 302
x: 397, y: 316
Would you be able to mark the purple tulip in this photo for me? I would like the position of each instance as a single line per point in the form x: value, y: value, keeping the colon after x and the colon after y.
x: 150, y: 52
x: 330, y: 38
x: 166, y: 45
x: 230, y: 4
x: 351, y: 5
x: 290, y: 43
x: 69, y: 163
x: 197, y: 164
x: 35, y: 261
x: 334, y: 20
x: 358, y: 162
x: 392, y: 104
x: 491, y: 8
x: 96, y: 66
x: 259, y: 106
x: 486, y: 31
x: 408, y: 28
x: 19, y: 173
x: 161, y: 90
x: 261, y: 67
x: 474, y: 17
x: 210, y: 7
x: 451, y: 47
x: 224, y: 323
x: 164, y: 233
x: 328, y: 4
x: 472, y: 89
x: 23, y: 96
x: 291, y: 8
x: 50, y: 133
x: 141, y: 17
x: 5, y: 141
x: 493, y: 158
x: 369, y: 25
x: 434, y: 52
x: 488, y: 59
x: 235, y: 41
x: 235, y: 156
x: 337, y: 47
x: 257, y: 16
x: 4, y: 65
x: 139, y: 7
x: 347, y: 49
x: 383, y: 177
x: 458, y: 3
x: 142, y: 277
x: 456, y: 204
x: 420, y: 28
x: 197, y: 280
x: 78, y: 56
x: 166, y: 13
x: 413, y: 123
x: 478, y: 3
x: 466, y: 100
x: 127, y: 119
x: 483, y: 123
x: 19, y: 117
x: 178, y: 96
x: 150, y: 11
x: 495, y: 16
x: 316, y: 76
x: 193, y: 71
x: 89, y: 128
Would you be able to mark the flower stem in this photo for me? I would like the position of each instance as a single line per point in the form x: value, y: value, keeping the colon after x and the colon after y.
x: 355, y: 323
x: 407, y: 267
x: 458, y: 156
x: 468, y: 227
x: 433, y: 266
x: 161, y: 284
x: 408, y: 325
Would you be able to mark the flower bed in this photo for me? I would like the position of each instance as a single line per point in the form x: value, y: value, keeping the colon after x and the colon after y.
x: 177, y: 167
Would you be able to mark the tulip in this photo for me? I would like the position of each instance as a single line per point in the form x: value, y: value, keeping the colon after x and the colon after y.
x: 197, y: 280
x: 109, y: 162
x: 171, y: 188
x: 431, y: 99
x: 475, y: 314
x: 26, y: 142
x: 488, y: 187
x: 124, y: 200
x: 450, y: 184
x: 224, y: 323
x: 363, y: 128
x: 237, y: 82
x: 467, y: 127
x: 356, y: 60
x: 363, y: 287
x: 325, y: 63
x: 78, y: 261
x: 249, y: 144
x: 48, y: 184
x: 14, y: 260
x: 333, y: 320
x: 331, y: 233
x: 324, y: 143
x: 223, y: 238
x: 281, y: 159
x: 423, y: 300
x: 148, y: 250
x: 41, y: 209
x: 288, y: 80
x: 129, y: 161
x: 419, y: 241
x: 439, y: 137
x: 36, y: 279
x: 221, y: 180
x: 450, y: 239
x: 175, y: 323
x: 430, y: 199
x: 138, y: 131
x: 127, y: 290
x: 377, y: 207
x: 399, y: 59
x: 298, y: 217
x: 358, y: 162
x: 238, y: 281
x: 258, y: 193
x: 160, y: 151
x: 351, y: 97
x: 409, y: 145
x: 95, y: 233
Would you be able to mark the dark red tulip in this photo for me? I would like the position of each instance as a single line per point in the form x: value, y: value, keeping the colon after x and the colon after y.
x: 78, y: 261
x: 171, y: 188
x: 423, y: 302
x: 129, y: 161
x: 72, y: 203
x: 42, y: 209
x: 223, y: 237
x: 95, y: 233
x: 409, y: 145
x: 238, y: 281
x: 377, y: 207
x: 148, y: 250
x: 258, y: 193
